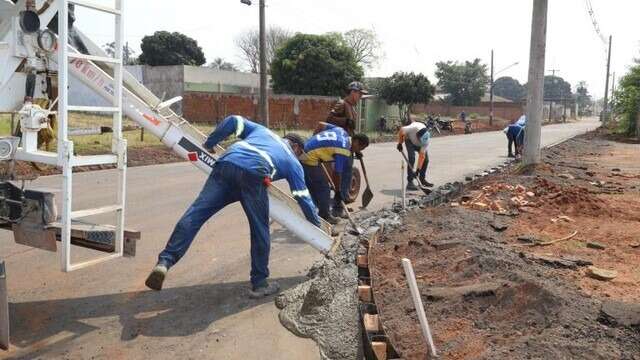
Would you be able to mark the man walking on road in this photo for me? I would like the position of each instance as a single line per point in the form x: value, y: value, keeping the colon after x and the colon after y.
x: 242, y: 174
x: 331, y: 145
x: 415, y: 137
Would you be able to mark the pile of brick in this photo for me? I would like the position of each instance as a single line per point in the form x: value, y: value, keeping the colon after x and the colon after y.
x: 499, y: 197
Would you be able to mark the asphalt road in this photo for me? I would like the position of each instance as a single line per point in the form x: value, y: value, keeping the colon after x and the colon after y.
x: 106, y: 312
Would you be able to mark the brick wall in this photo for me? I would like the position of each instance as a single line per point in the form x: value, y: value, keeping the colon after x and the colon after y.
x: 508, y: 111
x: 213, y: 107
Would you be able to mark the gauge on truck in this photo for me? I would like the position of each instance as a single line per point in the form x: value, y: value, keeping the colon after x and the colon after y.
x: 47, y: 40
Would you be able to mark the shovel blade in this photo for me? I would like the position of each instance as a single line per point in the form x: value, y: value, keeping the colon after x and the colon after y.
x: 367, y: 196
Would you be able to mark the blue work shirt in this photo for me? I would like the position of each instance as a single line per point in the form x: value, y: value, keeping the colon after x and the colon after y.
x: 331, y: 144
x: 263, y: 153
x: 516, y: 132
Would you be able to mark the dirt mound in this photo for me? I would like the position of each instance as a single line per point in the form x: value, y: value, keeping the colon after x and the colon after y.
x: 570, y: 199
x: 483, y: 299
x: 503, y: 269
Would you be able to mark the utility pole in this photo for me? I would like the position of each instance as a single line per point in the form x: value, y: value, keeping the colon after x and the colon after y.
x: 491, y: 93
x: 264, y: 96
x: 553, y: 77
x: 535, y: 100
x: 605, y: 110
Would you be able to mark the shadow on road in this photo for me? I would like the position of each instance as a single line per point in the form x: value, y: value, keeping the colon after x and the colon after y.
x: 183, y: 311
x: 396, y: 193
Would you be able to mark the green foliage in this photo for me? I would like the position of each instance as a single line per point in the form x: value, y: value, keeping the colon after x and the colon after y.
x: 556, y: 89
x: 627, y: 101
x: 404, y: 90
x: 128, y: 53
x: 465, y: 82
x: 583, y: 99
x: 221, y: 64
x: 314, y: 65
x: 509, y: 88
x: 165, y: 48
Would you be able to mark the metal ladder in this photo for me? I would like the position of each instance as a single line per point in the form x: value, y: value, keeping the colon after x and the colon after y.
x: 66, y: 158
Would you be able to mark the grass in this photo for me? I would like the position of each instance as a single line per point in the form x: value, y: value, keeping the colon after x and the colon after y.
x: 101, y: 144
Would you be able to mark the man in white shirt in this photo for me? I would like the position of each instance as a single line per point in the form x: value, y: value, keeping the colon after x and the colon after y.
x: 415, y: 137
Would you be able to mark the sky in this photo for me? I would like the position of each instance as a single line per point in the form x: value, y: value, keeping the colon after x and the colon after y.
x: 415, y: 34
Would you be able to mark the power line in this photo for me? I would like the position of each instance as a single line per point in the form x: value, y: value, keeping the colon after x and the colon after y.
x: 596, y: 26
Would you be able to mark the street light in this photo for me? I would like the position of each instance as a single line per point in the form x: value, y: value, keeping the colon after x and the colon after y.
x: 264, y: 102
x: 491, y: 86
x: 508, y: 67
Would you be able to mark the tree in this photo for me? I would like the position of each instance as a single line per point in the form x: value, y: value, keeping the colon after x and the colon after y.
x: 165, y: 48
x: 583, y: 98
x: 465, y: 83
x: 127, y: 52
x: 221, y: 64
x: 556, y: 89
x: 314, y: 65
x: 404, y: 90
x: 365, y: 45
x: 627, y: 101
x: 509, y: 88
x: 248, y: 43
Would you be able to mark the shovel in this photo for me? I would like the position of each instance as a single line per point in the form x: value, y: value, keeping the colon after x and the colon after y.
x: 425, y: 189
x: 367, y: 195
x: 358, y: 230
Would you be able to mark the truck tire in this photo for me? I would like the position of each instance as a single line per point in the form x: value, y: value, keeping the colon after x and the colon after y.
x: 354, y: 190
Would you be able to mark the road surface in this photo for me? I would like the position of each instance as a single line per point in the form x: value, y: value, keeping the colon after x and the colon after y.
x: 105, y: 312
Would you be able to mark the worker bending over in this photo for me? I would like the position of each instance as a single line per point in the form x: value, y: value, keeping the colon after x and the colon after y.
x: 333, y: 144
x: 515, y: 135
x: 415, y: 137
x: 242, y: 174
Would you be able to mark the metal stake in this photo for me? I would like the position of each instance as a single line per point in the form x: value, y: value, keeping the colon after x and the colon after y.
x: 4, y: 309
x: 404, y: 188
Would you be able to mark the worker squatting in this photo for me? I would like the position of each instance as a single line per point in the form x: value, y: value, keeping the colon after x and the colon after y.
x: 245, y: 171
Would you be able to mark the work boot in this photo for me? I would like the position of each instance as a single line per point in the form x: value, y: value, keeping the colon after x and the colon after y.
x: 331, y: 219
x: 339, y: 213
x: 411, y: 186
x: 426, y: 183
x: 264, y: 290
x: 156, y: 278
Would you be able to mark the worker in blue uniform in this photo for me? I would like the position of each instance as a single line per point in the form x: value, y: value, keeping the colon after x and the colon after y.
x: 333, y: 144
x: 515, y: 136
x: 242, y: 174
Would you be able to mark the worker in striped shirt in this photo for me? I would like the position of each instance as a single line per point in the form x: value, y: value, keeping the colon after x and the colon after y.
x: 333, y: 144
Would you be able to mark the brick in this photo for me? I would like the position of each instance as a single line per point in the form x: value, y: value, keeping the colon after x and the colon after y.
x: 213, y: 107
x: 363, y: 261
x: 371, y: 322
x: 364, y: 293
x: 379, y: 349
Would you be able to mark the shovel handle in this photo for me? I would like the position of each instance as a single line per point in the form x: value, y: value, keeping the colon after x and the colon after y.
x: 351, y: 221
x: 364, y: 171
